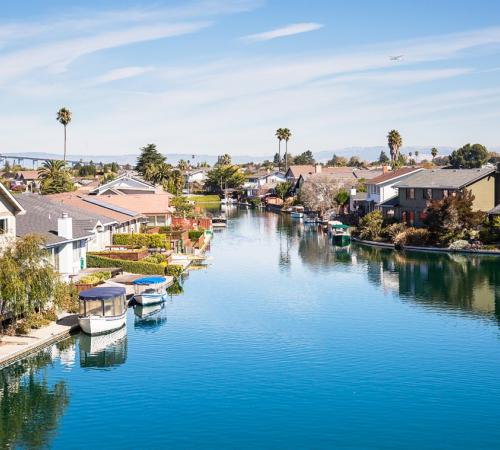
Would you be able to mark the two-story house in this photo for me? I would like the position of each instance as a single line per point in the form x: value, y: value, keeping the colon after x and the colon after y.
x: 10, y: 208
x: 417, y: 190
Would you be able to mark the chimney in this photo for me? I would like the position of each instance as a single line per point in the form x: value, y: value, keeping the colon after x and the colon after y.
x: 317, y: 168
x: 385, y: 168
x: 65, y: 226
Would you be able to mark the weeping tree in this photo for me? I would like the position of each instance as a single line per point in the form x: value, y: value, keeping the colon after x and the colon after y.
x: 64, y: 118
x: 27, y: 279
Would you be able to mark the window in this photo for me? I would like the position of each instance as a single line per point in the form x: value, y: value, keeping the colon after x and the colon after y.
x: 428, y: 194
x: 410, y: 194
x: 94, y: 307
x: 4, y: 226
x: 445, y: 193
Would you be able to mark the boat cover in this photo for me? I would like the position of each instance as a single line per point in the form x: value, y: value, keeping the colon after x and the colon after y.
x: 101, y: 293
x: 149, y: 280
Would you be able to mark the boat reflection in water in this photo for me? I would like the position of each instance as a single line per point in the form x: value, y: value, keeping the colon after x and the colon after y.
x: 150, y: 317
x: 105, y: 350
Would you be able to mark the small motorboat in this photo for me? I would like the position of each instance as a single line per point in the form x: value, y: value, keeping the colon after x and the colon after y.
x: 339, y: 232
x: 150, y: 290
x: 311, y: 220
x: 219, y: 222
x: 102, y: 309
x: 297, y: 212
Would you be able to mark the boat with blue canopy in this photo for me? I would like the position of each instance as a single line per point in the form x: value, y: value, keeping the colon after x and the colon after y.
x: 102, y: 309
x: 150, y: 290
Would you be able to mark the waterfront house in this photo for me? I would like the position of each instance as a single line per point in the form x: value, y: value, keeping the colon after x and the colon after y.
x: 126, y: 184
x: 26, y: 180
x: 416, y: 191
x: 10, y: 209
x: 261, y: 183
x: 380, y: 189
x: 69, y: 232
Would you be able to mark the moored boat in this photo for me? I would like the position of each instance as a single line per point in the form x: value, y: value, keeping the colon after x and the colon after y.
x: 102, y: 309
x: 339, y: 232
x: 219, y: 222
x: 297, y: 212
x: 150, y: 290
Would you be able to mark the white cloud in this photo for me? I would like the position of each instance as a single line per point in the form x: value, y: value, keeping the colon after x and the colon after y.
x: 289, y: 30
x: 121, y: 74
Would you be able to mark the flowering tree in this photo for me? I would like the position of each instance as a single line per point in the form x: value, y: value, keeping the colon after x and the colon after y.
x: 319, y: 192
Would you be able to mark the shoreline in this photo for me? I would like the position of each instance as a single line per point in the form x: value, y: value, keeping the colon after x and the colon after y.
x: 414, y: 248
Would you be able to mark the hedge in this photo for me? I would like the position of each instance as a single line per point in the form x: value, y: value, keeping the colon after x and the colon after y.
x: 194, y: 235
x: 145, y: 268
x: 204, y: 198
x: 142, y: 240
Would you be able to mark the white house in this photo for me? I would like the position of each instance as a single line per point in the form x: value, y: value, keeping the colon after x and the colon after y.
x: 10, y: 208
x: 126, y: 185
x: 257, y: 183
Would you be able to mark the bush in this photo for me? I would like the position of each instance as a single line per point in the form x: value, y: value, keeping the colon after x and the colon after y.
x: 174, y: 270
x: 194, y: 235
x: 139, y: 240
x: 391, y: 231
x: 413, y: 236
x: 95, y: 278
x: 66, y: 297
x: 146, y: 268
x: 459, y: 245
x: 370, y: 226
x: 156, y: 258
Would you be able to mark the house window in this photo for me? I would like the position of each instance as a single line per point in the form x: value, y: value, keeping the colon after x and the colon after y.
x: 428, y: 194
x: 410, y: 194
x: 445, y: 193
x: 4, y: 226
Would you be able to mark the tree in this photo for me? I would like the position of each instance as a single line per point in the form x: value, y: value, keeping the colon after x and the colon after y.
x: 182, y: 165
x: 277, y: 160
x: 354, y: 161
x: 469, y: 156
x: 282, y: 189
x: 394, y: 142
x: 434, y: 152
x: 224, y: 176
x: 304, y: 159
x: 55, y: 178
x: 416, y: 155
x: 337, y: 161
x: 370, y: 226
x: 342, y: 198
x: 279, y: 136
x: 383, y: 158
x: 450, y: 218
x: 174, y: 182
x: 318, y: 193
x: 149, y: 155
x: 27, y: 280
x: 287, y: 134
x: 224, y: 160
x: 64, y: 118
x: 182, y: 205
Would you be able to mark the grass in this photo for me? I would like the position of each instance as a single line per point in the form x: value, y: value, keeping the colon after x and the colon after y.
x: 204, y: 198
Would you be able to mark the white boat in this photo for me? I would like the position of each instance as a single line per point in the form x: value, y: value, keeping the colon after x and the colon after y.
x: 150, y: 290
x: 219, y: 222
x: 297, y: 212
x: 102, y: 309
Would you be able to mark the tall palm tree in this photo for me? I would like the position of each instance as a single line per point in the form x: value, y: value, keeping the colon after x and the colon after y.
x: 64, y: 118
x: 434, y: 152
x: 51, y: 169
x: 279, y: 135
x: 395, y: 142
x: 287, y: 134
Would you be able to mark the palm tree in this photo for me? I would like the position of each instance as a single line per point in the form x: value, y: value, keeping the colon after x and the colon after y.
x: 279, y: 135
x: 416, y: 156
x: 64, y: 118
x: 182, y: 165
x: 286, y: 136
x: 150, y: 172
x: 51, y: 169
x: 162, y: 173
x: 434, y: 152
x: 395, y: 142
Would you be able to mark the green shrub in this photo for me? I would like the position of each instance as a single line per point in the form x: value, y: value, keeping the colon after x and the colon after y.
x: 156, y: 258
x: 370, y: 226
x: 94, y: 278
x: 165, y: 229
x: 194, y: 235
x: 146, y: 268
x: 391, y: 231
x: 65, y: 297
x: 174, y: 270
x: 413, y: 236
x: 139, y: 240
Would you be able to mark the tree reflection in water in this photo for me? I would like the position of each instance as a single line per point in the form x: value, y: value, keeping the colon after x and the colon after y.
x: 468, y: 282
x: 29, y: 407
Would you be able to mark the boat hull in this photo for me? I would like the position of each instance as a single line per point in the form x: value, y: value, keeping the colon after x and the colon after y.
x: 297, y: 215
x: 149, y: 299
x: 98, y: 325
x: 341, y: 239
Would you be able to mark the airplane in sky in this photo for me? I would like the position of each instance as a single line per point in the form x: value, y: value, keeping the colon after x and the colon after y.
x: 396, y: 57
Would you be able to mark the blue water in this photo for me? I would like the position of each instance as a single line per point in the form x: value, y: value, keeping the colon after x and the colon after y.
x: 283, y: 342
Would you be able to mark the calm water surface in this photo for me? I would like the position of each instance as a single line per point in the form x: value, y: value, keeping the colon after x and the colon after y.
x: 282, y: 342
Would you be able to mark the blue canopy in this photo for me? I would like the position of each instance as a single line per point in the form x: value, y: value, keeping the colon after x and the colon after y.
x: 101, y: 293
x: 149, y: 280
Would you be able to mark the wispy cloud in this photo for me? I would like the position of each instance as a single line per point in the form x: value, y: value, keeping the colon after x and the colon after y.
x: 289, y: 30
x: 121, y: 73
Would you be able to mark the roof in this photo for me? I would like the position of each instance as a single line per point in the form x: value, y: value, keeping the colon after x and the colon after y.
x: 91, y: 205
x: 344, y: 172
x: 42, y: 214
x: 495, y: 211
x: 28, y: 174
x: 135, y: 203
x: 5, y: 193
x: 444, y: 178
x: 393, y: 174
x: 101, y: 293
x: 390, y: 203
x: 124, y: 181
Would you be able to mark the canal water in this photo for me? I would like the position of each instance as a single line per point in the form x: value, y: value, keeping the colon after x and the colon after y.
x: 282, y: 341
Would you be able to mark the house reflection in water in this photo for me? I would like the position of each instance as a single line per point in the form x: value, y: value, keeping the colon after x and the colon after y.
x: 105, y: 350
x: 470, y: 283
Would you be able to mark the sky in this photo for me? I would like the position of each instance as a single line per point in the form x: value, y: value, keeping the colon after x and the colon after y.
x: 220, y: 76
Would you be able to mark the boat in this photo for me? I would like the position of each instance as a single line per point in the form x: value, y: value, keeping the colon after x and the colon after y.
x: 150, y: 290
x: 297, y: 212
x: 311, y: 220
x: 102, y: 309
x: 339, y: 232
x: 219, y: 222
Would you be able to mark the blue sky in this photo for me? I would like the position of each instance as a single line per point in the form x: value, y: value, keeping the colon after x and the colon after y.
x: 220, y: 76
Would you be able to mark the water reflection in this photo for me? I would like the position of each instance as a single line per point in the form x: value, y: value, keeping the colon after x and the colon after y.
x: 104, y: 351
x: 150, y: 317
x: 468, y: 282
x: 30, y: 408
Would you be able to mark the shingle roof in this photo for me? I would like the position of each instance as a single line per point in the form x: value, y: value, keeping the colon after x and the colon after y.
x: 42, y: 214
x: 138, y: 203
x: 393, y: 174
x: 444, y: 178
x: 495, y: 211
